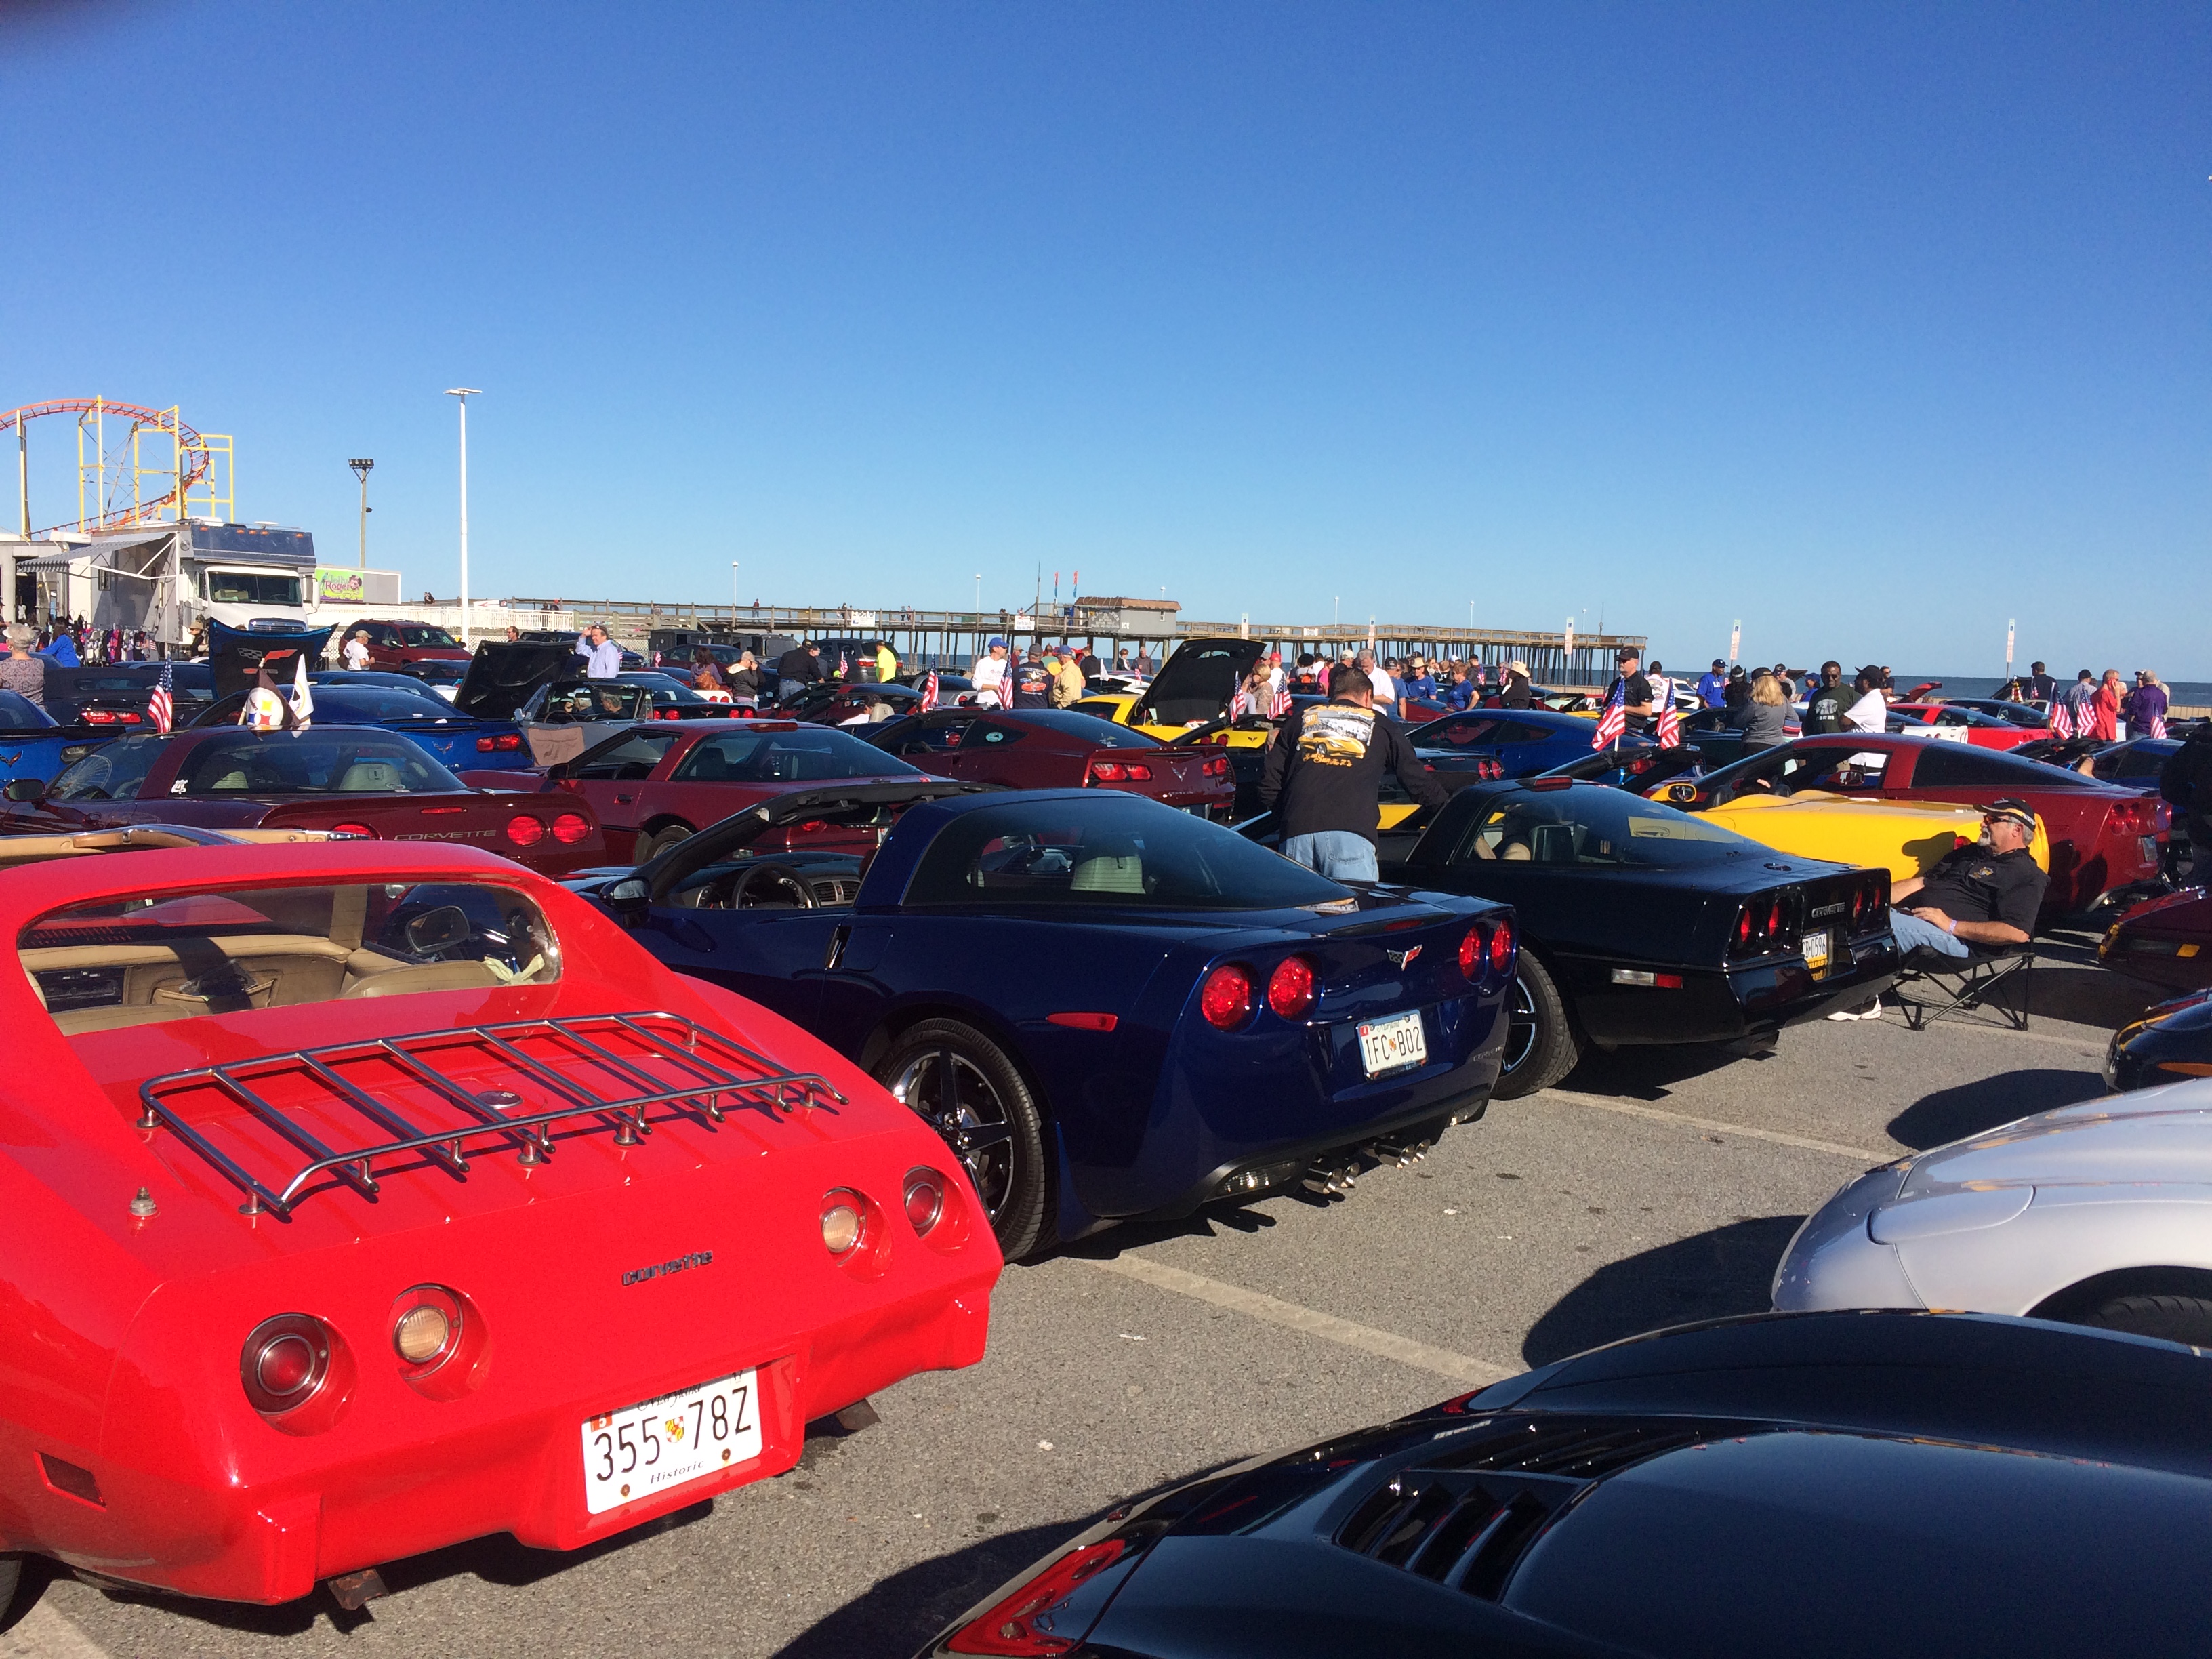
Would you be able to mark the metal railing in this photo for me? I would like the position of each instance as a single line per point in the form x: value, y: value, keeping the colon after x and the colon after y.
x: 714, y: 1075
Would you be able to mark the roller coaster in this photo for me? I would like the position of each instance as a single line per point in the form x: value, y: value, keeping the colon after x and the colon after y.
x: 159, y: 472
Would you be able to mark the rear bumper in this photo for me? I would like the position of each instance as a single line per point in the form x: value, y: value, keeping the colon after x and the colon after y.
x: 1739, y: 1004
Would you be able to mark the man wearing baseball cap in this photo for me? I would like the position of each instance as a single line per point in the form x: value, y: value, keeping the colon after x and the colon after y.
x: 990, y: 675
x: 1635, y: 690
x: 1987, y: 893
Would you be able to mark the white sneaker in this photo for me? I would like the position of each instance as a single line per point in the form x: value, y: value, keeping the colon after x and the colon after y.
x: 1872, y: 1011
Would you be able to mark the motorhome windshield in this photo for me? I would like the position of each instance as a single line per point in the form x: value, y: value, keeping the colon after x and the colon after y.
x: 249, y: 587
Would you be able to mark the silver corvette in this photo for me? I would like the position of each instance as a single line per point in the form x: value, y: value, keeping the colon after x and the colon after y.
x: 2096, y: 1214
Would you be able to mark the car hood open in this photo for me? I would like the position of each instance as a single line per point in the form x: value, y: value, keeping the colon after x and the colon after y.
x: 503, y: 674
x: 1200, y: 677
x: 235, y: 655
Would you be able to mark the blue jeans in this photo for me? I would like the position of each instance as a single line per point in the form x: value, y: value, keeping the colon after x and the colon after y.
x: 1913, y: 934
x: 1340, y: 854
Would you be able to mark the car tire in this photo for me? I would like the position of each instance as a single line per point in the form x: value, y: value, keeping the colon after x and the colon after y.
x: 11, y: 1575
x: 652, y: 845
x: 2175, y: 1318
x: 1541, y: 1044
x: 990, y: 1121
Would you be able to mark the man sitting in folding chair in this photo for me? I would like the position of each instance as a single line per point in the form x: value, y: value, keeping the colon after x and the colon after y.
x: 1969, y: 924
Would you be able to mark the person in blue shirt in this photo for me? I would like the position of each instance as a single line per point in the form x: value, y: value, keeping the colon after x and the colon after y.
x: 1712, y: 689
x: 1461, y: 692
x: 1422, y: 684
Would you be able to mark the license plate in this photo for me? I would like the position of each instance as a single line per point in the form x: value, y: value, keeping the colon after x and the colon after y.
x: 1392, y: 1045
x: 2146, y: 849
x: 1816, y: 951
x: 645, y: 1450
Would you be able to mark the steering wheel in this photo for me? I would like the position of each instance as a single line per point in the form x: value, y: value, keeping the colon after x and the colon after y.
x: 795, y: 884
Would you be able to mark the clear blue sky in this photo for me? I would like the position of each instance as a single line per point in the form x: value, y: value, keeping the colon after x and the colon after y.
x: 1870, y: 326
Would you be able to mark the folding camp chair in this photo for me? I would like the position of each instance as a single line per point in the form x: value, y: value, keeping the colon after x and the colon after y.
x: 1995, y: 977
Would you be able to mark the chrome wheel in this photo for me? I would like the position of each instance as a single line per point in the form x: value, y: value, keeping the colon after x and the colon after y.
x: 950, y: 1093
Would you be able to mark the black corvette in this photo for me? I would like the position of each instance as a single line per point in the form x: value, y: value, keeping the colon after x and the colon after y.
x: 1840, y: 1484
x: 1642, y: 924
x: 2170, y: 1043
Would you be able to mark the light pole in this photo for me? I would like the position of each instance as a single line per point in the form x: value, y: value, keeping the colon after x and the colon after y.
x: 979, y: 593
x: 360, y: 470
x: 733, y: 590
x: 465, y: 392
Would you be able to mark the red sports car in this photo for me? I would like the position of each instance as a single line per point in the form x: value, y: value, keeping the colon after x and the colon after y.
x: 1984, y: 730
x: 2106, y: 842
x: 2167, y: 941
x: 520, y: 1233
x: 1059, y: 749
x: 651, y: 785
x: 363, y: 780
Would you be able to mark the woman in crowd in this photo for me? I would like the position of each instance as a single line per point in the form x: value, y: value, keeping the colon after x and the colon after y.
x: 1765, y: 712
x: 744, y: 681
x: 707, y: 678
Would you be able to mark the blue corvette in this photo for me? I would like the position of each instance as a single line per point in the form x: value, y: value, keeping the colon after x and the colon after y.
x: 33, y: 746
x: 1108, y: 1008
x: 1510, y: 742
x: 461, y: 742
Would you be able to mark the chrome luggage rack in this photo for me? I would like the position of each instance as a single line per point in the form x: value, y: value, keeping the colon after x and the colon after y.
x: 712, y: 1074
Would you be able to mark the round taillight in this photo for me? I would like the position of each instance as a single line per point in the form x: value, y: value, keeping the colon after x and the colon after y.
x: 1471, y: 947
x: 284, y: 1362
x: 1226, y: 997
x: 1290, y: 988
x: 570, y: 828
x: 925, y: 1199
x: 1501, y: 948
x: 842, y: 1222
x: 524, y: 830
x: 361, y: 829
x: 421, y: 1333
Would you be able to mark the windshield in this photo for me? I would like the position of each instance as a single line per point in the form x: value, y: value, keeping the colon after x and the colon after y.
x: 1835, y: 768
x: 19, y: 713
x: 1105, y: 735
x: 314, y: 762
x: 114, y: 772
x: 1112, y: 850
x: 241, y: 587
x: 423, y: 634
x: 808, y: 755
x: 1590, y: 826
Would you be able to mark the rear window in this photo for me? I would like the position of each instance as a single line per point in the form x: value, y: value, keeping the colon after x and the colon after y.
x: 806, y: 756
x: 421, y: 633
x: 19, y: 713
x: 1075, y: 723
x: 115, y: 771
x: 1957, y: 766
x: 311, y: 762
x: 1113, y: 852
x: 1593, y: 827
x: 141, y: 961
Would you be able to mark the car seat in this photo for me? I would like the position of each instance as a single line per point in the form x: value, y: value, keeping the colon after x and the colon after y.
x: 1112, y: 866
x: 710, y: 765
x: 370, y: 777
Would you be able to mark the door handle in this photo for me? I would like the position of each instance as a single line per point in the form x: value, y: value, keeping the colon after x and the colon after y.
x: 624, y: 801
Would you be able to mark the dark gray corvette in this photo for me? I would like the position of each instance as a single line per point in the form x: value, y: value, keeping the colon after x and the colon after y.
x: 1811, y: 1485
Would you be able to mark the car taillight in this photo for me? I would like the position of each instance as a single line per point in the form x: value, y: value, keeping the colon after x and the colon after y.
x: 361, y: 829
x: 1473, y: 946
x: 1290, y: 988
x: 524, y: 830
x: 925, y: 1199
x: 499, y: 741
x: 1744, y: 927
x: 1009, y: 1627
x: 426, y: 1328
x: 1107, y: 772
x: 1774, y: 918
x: 284, y: 1362
x: 1218, y: 767
x: 1225, y: 999
x: 1501, y: 948
x: 844, y: 1220
x: 570, y: 828
x: 1140, y: 773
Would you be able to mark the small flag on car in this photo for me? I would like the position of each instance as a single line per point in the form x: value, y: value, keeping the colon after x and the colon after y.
x: 2062, y: 719
x: 161, y: 707
x: 929, y: 691
x: 1614, y: 720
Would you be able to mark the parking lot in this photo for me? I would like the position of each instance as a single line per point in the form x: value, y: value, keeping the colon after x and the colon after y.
x: 1654, y: 1186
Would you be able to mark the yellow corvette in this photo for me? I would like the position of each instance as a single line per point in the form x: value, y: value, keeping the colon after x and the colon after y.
x: 1904, y: 837
x: 1191, y: 692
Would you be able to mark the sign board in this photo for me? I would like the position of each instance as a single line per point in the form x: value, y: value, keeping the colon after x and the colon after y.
x: 1025, y: 623
x: 345, y: 587
x: 861, y: 618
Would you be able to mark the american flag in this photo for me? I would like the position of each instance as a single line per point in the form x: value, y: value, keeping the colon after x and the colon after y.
x: 1614, y: 721
x: 929, y: 691
x: 161, y: 707
x: 1669, y: 730
x: 2061, y: 718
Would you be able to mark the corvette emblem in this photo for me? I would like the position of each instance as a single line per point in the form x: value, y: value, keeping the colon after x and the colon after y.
x: 1403, y: 959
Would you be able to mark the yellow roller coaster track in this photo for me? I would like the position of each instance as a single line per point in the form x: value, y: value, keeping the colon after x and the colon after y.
x: 192, y: 458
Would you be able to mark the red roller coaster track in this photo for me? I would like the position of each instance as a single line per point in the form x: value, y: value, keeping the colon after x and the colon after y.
x: 188, y: 442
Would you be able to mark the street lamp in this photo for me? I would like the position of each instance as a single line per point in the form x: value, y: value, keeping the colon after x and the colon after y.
x: 979, y: 593
x: 360, y: 470
x: 733, y: 590
x: 465, y: 392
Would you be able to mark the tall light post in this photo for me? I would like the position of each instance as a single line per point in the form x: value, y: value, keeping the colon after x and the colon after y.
x: 979, y: 593
x: 360, y: 470
x: 733, y: 590
x: 465, y: 392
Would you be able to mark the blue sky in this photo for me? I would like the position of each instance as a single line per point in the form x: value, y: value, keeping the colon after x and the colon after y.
x: 1872, y: 326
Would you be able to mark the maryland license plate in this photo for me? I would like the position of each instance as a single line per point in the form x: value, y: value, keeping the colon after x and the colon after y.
x: 1392, y: 1045
x: 1816, y: 950
x: 643, y: 1450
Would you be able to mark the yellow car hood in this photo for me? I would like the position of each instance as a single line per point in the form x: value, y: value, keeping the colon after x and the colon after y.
x: 1904, y: 836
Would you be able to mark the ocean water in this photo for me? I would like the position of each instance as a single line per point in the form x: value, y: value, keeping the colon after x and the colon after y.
x: 2190, y: 694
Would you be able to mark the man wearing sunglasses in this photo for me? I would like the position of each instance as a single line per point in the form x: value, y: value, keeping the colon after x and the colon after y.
x: 1987, y: 895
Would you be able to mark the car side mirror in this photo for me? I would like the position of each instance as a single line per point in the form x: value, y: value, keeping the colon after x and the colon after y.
x: 629, y: 899
x: 557, y: 771
x: 1682, y: 794
x: 25, y: 789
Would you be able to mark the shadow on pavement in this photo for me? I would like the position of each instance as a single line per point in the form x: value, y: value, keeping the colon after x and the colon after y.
x: 1643, y: 1072
x: 1707, y: 1276
x: 896, y: 1617
x: 2086, y: 995
x: 1951, y: 1113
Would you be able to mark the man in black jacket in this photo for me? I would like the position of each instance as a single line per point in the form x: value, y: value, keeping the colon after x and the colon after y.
x: 797, y: 668
x: 1323, y: 779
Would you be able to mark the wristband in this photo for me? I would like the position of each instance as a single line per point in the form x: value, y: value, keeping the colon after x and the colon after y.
x: 1952, y: 929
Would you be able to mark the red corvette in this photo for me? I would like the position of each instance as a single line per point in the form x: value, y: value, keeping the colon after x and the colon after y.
x: 363, y: 780
x: 1059, y: 749
x: 520, y: 1233
x: 2168, y: 941
x: 2106, y: 842
x: 651, y: 785
x: 1983, y: 730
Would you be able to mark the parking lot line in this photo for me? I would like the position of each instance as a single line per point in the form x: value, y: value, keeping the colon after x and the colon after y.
x: 43, y: 1633
x: 1382, y: 1344
x: 1629, y: 1108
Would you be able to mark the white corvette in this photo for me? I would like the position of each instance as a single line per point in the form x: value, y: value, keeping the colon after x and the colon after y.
x: 2096, y: 1214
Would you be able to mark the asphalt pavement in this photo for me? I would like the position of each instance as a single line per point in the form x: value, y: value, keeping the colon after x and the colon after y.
x: 1654, y: 1187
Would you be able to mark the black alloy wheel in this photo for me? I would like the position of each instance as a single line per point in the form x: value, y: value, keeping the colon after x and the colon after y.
x: 960, y: 1081
x: 1541, y: 1046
